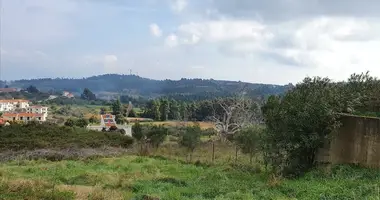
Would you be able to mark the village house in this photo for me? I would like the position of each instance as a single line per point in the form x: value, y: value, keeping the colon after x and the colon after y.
x: 67, y: 94
x: 7, y: 105
x: 8, y: 90
x: 24, y: 117
x: 107, y: 120
x: 37, y: 109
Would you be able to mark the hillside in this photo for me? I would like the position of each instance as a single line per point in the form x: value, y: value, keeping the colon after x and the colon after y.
x: 135, y: 85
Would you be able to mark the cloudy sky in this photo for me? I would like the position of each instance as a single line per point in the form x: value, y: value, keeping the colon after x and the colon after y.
x: 271, y: 41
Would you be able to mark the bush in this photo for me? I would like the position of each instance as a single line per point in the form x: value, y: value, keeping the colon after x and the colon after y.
x: 38, y: 136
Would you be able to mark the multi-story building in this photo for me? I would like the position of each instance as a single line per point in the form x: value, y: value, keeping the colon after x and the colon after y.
x: 37, y: 109
x: 25, y: 117
x: 6, y: 106
x: 12, y: 104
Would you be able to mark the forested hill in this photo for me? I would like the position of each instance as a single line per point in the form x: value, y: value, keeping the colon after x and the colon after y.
x: 135, y: 85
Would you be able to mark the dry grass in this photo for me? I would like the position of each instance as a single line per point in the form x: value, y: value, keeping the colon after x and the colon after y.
x: 203, y: 125
x: 81, y: 191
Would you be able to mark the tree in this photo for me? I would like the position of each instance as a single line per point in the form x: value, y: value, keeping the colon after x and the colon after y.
x: 190, y: 139
x: 174, y: 110
x: 132, y: 113
x: 156, y: 135
x: 32, y: 89
x: 164, y: 109
x: 137, y: 132
x: 299, y: 123
x: 231, y: 115
x: 70, y: 122
x: 183, y: 111
x: 156, y: 110
x: 103, y: 111
x: 248, y: 140
x: 81, y: 122
x: 116, y: 107
x: 93, y: 120
x: 88, y: 95
x: 119, y: 118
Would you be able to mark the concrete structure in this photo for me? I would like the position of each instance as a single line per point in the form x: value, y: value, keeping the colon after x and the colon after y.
x: 12, y: 104
x: 8, y: 90
x: 24, y: 117
x: 357, y: 141
x: 6, y: 106
x: 37, y: 109
x: 67, y: 94
x: 107, y: 121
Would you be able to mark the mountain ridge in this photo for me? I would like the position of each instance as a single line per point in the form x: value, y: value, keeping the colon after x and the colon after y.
x: 146, y: 87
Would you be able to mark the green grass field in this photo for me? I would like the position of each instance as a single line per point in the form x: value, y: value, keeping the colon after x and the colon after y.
x: 132, y: 177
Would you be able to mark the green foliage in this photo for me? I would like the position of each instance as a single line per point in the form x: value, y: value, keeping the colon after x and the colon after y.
x: 164, y: 109
x: 32, y: 89
x: 70, y: 122
x: 249, y: 140
x: 190, y: 138
x: 299, y: 123
x: 132, y: 113
x: 137, y: 132
x: 93, y: 120
x: 156, y: 135
x: 119, y: 118
x: 116, y: 107
x: 81, y: 122
x: 88, y: 95
x: 39, y: 136
x: 182, y: 90
x: 132, y: 177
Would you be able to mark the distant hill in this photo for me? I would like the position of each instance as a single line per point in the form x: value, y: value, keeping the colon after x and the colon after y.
x: 133, y: 85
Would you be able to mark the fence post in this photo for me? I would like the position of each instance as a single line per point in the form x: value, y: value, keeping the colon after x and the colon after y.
x: 213, y: 151
x: 236, y: 154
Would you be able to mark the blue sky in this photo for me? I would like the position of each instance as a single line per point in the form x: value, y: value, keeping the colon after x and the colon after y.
x: 273, y: 41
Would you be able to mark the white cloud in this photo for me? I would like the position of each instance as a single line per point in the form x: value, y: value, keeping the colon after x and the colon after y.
x: 171, y: 40
x: 155, y: 30
x: 178, y: 5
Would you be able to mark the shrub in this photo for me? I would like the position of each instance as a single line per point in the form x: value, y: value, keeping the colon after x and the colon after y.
x: 191, y: 138
x: 38, y: 136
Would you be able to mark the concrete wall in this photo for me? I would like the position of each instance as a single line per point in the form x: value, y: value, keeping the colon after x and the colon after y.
x: 357, y: 141
x: 127, y: 128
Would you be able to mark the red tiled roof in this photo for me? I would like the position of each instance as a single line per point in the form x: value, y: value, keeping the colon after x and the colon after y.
x: 8, y: 90
x: 37, y: 107
x: 13, y: 100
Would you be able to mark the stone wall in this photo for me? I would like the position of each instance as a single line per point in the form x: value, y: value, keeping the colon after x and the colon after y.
x: 357, y: 141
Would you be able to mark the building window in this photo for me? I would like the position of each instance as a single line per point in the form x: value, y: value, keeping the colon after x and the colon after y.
x: 21, y: 118
x: 39, y: 118
x: 28, y: 118
x: 14, y: 118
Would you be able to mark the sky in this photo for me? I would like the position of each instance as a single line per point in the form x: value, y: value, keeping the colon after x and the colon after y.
x: 271, y: 41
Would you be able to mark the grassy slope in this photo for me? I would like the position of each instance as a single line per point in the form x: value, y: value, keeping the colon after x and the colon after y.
x: 131, y: 176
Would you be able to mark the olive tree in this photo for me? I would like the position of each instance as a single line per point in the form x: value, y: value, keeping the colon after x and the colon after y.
x: 299, y: 123
x: 190, y: 138
x: 248, y: 140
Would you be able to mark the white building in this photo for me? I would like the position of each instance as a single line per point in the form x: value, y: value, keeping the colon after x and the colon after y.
x: 25, y: 117
x: 12, y: 104
x: 6, y: 107
x: 37, y: 109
